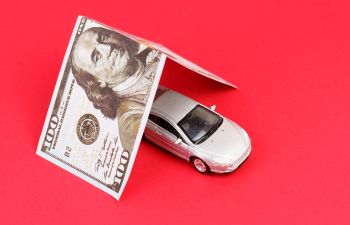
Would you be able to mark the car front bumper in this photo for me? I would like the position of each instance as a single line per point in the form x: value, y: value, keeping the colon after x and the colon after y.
x: 216, y: 168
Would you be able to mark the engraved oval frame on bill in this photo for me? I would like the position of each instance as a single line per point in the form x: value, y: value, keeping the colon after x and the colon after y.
x: 88, y: 129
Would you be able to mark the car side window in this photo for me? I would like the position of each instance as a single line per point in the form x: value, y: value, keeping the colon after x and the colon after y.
x: 164, y: 124
x: 155, y: 119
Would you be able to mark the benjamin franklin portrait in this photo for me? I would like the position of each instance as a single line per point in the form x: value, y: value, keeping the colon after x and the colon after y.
x: 116, y: 74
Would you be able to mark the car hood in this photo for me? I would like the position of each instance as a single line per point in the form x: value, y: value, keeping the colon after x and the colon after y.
x: 228, y: 141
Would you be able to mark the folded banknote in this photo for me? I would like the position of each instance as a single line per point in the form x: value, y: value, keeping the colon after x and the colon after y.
x: 100, y: 105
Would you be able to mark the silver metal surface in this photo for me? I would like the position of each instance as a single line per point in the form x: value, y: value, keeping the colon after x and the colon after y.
x: 223, y: 150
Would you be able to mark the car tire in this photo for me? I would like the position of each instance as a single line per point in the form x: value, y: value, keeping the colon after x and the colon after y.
x: 200, y: 165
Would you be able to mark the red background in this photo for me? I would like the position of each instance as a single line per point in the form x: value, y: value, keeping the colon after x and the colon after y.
x: 290, y: 60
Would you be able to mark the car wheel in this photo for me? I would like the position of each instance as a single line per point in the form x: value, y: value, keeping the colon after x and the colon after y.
x: 200, y: 165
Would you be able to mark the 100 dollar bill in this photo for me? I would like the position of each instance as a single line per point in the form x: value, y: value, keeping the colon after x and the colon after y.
x: 100, y: 105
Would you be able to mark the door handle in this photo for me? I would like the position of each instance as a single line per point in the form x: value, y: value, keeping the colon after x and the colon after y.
x: 157, y: 131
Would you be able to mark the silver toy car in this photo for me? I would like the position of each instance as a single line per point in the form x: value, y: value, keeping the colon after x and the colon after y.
x: 195, y: 133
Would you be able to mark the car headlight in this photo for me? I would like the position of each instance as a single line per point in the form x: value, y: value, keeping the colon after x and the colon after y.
x: 221, y: 160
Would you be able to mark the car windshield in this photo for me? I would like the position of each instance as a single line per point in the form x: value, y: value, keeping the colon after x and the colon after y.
x: 200, y: 123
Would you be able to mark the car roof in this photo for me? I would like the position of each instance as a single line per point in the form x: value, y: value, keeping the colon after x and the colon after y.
x: 172, y: 105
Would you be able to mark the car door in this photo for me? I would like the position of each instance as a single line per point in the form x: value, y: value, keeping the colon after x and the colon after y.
x: 165, y: 135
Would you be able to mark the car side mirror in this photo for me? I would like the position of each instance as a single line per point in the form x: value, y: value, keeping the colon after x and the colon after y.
x: 178, y: 141
x: 213, y: 107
